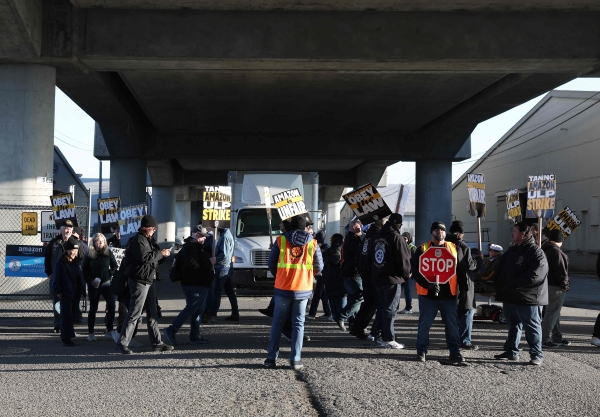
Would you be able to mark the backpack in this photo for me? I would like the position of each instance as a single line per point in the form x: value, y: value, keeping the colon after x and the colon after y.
x: 175, y: 272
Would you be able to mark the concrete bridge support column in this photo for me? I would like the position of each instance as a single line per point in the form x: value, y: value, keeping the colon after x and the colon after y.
x: 183, y: 216
x: 128, y: 180
x: 331, y: 206
x: 433, y: 196
x: 163, y: 210
x: 26, y: 133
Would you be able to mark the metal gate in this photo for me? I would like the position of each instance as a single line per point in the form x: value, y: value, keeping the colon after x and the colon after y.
x: 22, y: 296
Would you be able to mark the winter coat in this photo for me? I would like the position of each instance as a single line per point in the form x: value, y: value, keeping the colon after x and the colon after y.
x: 53, y: 252
x: 99, y: 265
x: 114, y: 241
x: 334, y: 283
x: 350, y: 251
x: 364, y: 263
x: 445, y: 290
x: 485, y: 276
x: 67, y: 279
x: 391, y: 257
x: 143, y: 256
x: 558, y: 265
x: 195, y: 265
x: 522, y: 275
x: 464, y: 264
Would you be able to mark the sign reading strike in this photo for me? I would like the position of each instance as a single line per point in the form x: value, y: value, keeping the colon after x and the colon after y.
x: 367, y: 204
x: 24, y: 261
x: 108, y: 211
x: 289, y: 203
x: 566, y: 221
x: 513, y: 205
x: 541, y: 192
x: 63, y: 208
x: 216, y: 206
x: 476, y: 188
x: 130, y: 218
x: 437, y: 265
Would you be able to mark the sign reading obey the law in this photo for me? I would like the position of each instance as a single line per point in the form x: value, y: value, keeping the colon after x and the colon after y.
x: 108, y: 211
x: 289, y: 203
x: 367, y: 204
x: 216, y: 206
x: 63, y: 208
x: 130, y: 218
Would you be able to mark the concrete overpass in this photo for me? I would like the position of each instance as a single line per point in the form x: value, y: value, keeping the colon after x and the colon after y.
x: 192, y: 89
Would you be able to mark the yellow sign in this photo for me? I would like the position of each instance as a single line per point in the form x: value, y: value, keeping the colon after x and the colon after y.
x: 29, y: 223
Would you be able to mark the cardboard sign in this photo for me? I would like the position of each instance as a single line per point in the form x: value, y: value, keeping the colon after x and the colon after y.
x: 108, y: 211
x: 513, y: 205
x: 49, y: 229
x: 541, y: 193
x: 24, y: 261
x: 476, y: 188
x: 130, y: 218
x: 289, y: 203
x: 367, y: 204
x: 216, y: 206
x: 119, y: 255
x: 63, y: 208
x: 566, y: 221
x: 29, y: 223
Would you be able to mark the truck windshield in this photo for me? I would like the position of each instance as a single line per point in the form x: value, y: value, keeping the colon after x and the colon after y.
x: 254, y: 222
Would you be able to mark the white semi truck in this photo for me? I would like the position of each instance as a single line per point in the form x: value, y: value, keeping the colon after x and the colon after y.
x: 250, y: 225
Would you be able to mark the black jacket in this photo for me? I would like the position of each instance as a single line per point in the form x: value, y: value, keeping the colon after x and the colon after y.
x: 350, y: 254
x: 558, y: 265
x: 391, y: 257
x: 143, y: 256
x: 364, y: 262
x: 332, y: 258
x: 54, y: 250
x: 99, y: 265
x: 67, y: 279
x: 522, y: 275
x: 195, y: 265
x: 114, y: 241
x: 486, y: 275
x: 464, y: 264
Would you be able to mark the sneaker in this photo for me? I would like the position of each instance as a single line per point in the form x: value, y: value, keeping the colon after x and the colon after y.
x: 392, y: 345
x: 115, y: 336
x: 232, y: 318
x: 421, y: 356
x: 91, y: 337
x: 405, y: 311
x: 536, y: 361
x: 123, y: 349
x: 457, y: 358
x: 270, y: 363
x: 170, y: 337
x: 309, y: 317
x: 469, y: 346
x: 162, y: 347
x: 331, y: 318
x: 370, y: 337
x: 325, y: 316
x: 595, y: 341
x: 360, y: 335
x: 563, y: 342
x: 379, y: 340
x: 134, y: 344
x: 266, y: 312
x: 341, y: 324
x: 550, y: 344
x: 56, y: 329
x: 296, y: 365
x: 507, y: 355
x: 68, y: 342
x: 110, y: 333
x: 199, y: 341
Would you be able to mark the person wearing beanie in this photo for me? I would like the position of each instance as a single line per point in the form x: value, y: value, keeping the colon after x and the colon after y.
x: 408, y: 284
x: 139, y: 266
x: 558, y: 285
x: 466, y: 287
x: 437, y: 297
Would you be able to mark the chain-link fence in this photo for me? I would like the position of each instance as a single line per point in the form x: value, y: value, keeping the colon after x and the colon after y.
x: 25, y: 296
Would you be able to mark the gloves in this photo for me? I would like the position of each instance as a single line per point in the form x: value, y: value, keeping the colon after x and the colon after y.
x: 434, y: 288
x: 96, y: 282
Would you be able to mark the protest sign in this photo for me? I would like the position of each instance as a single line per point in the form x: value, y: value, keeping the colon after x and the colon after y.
x: 119, y: 255
x: 566, y: 221
x: 63, y: 208
x: 216, y: 206
x: 130, y: 218
x: 476, y: 189
x: 541, y: 193
x: 289, y: 203
x: 49, y: 229
x: 24, y: 261
x: 513, y: 205
x: 108, y: 212
x: 367, y: 204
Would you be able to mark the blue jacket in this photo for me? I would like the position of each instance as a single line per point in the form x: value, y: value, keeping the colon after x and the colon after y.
x: 67, y: 279
x: 224, y: 250
x: 298, y: 238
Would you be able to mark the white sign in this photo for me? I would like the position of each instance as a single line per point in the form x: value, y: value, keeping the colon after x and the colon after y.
x: 119, y: 255
x: 49, y: 230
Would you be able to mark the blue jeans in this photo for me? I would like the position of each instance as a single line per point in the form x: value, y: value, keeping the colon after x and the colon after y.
x: 223, y: 283
x: 283, y: 307
x: 94, y: 296
x: 337, y: 304
x: 465, y: 325
x: 195, y: 299
x: 389, y: 297
x: 407, y: 289
x: 531, y: 319
x: 355, y: 297
x: 428, y: 308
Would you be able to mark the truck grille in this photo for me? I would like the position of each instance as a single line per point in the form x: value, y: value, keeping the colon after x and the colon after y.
x: 260, y: 257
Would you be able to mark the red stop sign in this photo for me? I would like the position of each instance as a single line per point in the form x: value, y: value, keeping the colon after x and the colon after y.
x: 437, y: 261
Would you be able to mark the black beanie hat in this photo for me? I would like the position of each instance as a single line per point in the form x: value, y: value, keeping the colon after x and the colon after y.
x: 298, y: 222
x: 71, y: 243
x: 457, y: 227
x: 149, y: 221
x: 437, y: 225
x: 556, y: 235
x: 395, y: 218
x: 408, y: 237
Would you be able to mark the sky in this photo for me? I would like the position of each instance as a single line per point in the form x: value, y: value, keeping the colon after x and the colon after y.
x: 74, y: 135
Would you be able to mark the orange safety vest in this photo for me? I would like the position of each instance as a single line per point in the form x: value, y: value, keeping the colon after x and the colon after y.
x: 453, y: 280
x: 295, y: 266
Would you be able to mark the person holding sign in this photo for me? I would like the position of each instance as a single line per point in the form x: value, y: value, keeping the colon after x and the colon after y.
x: 522, y: 286
x: 294, y: 259
x: 435, y: 296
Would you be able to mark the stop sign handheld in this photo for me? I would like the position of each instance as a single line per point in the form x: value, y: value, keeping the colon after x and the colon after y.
x: 437, y: 265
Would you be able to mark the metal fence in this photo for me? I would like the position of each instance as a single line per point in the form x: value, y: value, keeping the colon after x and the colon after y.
x: 22, y: 296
